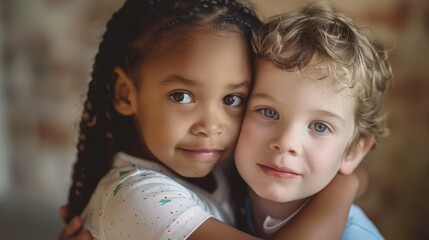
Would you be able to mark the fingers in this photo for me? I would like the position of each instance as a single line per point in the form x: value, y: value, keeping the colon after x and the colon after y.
x: 63, y: 211
x: 72, y: 229
x: 84, y: 235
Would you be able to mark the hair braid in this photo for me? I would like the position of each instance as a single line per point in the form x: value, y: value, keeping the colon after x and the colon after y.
x: 96, y: 144
x: 130, y: 35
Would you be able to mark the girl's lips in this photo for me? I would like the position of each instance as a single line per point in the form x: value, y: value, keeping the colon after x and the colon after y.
x: 202, y: 155
x: 279, y: 172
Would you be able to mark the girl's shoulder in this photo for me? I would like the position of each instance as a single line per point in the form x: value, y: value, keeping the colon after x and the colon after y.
x: 137, y: 173
x: 142, y: 201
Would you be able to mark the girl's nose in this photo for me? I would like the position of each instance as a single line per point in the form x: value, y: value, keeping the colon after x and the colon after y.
x: 209, y: 124
x: 207, y: 129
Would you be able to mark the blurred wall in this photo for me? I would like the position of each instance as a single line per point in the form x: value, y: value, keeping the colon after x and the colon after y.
x: 4, y: 159
x: 47, y: 49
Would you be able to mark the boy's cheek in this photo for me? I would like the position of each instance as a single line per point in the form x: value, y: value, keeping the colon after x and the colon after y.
x: 254, y: 130
x: 249, y: 139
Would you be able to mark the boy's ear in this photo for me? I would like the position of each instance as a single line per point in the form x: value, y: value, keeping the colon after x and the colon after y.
x: 356, y: 154
x: 125, y: 94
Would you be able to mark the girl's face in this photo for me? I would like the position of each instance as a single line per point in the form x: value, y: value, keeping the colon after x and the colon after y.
x: 190, y: 99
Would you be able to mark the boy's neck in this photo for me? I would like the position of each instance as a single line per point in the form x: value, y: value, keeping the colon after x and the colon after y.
x: 261, y: 208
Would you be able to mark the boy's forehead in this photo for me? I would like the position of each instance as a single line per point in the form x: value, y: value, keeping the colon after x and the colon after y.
x: 302, y: 91
x: 316, y: 69
x: 315, y: 73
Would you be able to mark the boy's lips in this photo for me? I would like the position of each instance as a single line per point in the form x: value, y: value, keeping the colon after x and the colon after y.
x: 279, y: 172
x: 202, y: 155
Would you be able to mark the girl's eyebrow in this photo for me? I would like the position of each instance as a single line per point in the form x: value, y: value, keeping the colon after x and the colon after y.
x: 244, y: 84
x: 174, y: 79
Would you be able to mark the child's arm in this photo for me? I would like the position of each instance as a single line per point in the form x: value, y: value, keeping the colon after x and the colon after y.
x: 213, y: 229
x: 325, y: 216
x: 73, y: 230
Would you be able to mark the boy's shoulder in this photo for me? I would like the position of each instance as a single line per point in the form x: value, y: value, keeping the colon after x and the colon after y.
x: 359, y: 226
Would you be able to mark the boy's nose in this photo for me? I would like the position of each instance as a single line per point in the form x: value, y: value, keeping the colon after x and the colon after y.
x: 286, y: 142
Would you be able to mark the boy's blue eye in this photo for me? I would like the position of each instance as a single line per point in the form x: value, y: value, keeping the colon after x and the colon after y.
x: 181, y: 97
x: 319, y: 127
x: 269, y: 113
x: 233, y: 100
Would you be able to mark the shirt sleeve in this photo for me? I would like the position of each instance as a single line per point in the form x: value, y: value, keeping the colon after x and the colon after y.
x: 150, y: 205
x: 360, y: 227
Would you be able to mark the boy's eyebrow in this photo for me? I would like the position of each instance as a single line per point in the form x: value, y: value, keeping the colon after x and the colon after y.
x: 318, y: 112
x: 330, y: 114
x: 263, y: 95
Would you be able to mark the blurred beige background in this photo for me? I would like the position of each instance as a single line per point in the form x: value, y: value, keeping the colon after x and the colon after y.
x: 47, y: 48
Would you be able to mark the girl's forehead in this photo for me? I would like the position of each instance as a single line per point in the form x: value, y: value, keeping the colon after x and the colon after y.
x: 200, y: 55
x: 186, y: 40
x: 191, y: 33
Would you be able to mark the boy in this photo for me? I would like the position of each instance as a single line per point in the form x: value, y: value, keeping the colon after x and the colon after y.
x: 314, y: 111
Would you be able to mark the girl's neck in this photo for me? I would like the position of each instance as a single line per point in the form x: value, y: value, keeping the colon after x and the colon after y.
x: 261, y: 208
x: 140, y: 150
x: 207, y: 183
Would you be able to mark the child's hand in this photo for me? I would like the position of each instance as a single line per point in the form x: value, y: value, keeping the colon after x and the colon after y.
x: 73, y: 230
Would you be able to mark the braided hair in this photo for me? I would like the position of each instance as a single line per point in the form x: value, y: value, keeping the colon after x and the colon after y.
x: 130, y: 35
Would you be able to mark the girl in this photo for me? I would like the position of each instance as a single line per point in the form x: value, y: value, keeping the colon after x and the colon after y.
x: 164, y: 107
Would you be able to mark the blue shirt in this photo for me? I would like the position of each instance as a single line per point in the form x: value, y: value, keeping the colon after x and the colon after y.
x: 359, y: 226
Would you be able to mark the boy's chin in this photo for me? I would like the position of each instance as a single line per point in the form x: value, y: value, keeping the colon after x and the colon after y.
x: 285, y: 196
x: 273, y: 196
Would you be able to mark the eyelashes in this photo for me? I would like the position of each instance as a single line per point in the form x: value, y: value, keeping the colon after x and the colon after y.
x: 184, y: 97
x: 181, y: 97
x: 319, y: 127
x: 268, y: 113
x: 233, y: 100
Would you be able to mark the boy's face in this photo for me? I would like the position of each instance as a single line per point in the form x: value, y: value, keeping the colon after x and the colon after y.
x: 191, y: 100
x: 294, y: 134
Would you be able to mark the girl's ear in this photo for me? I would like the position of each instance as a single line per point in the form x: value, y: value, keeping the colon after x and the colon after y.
x: 125, y: 94
x: 356, y: 154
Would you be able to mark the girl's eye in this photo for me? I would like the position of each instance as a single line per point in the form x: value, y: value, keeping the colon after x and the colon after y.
x: 319, y: 127
x: 233, y: 100
x: 269, y: 113
x: 181, y: 97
